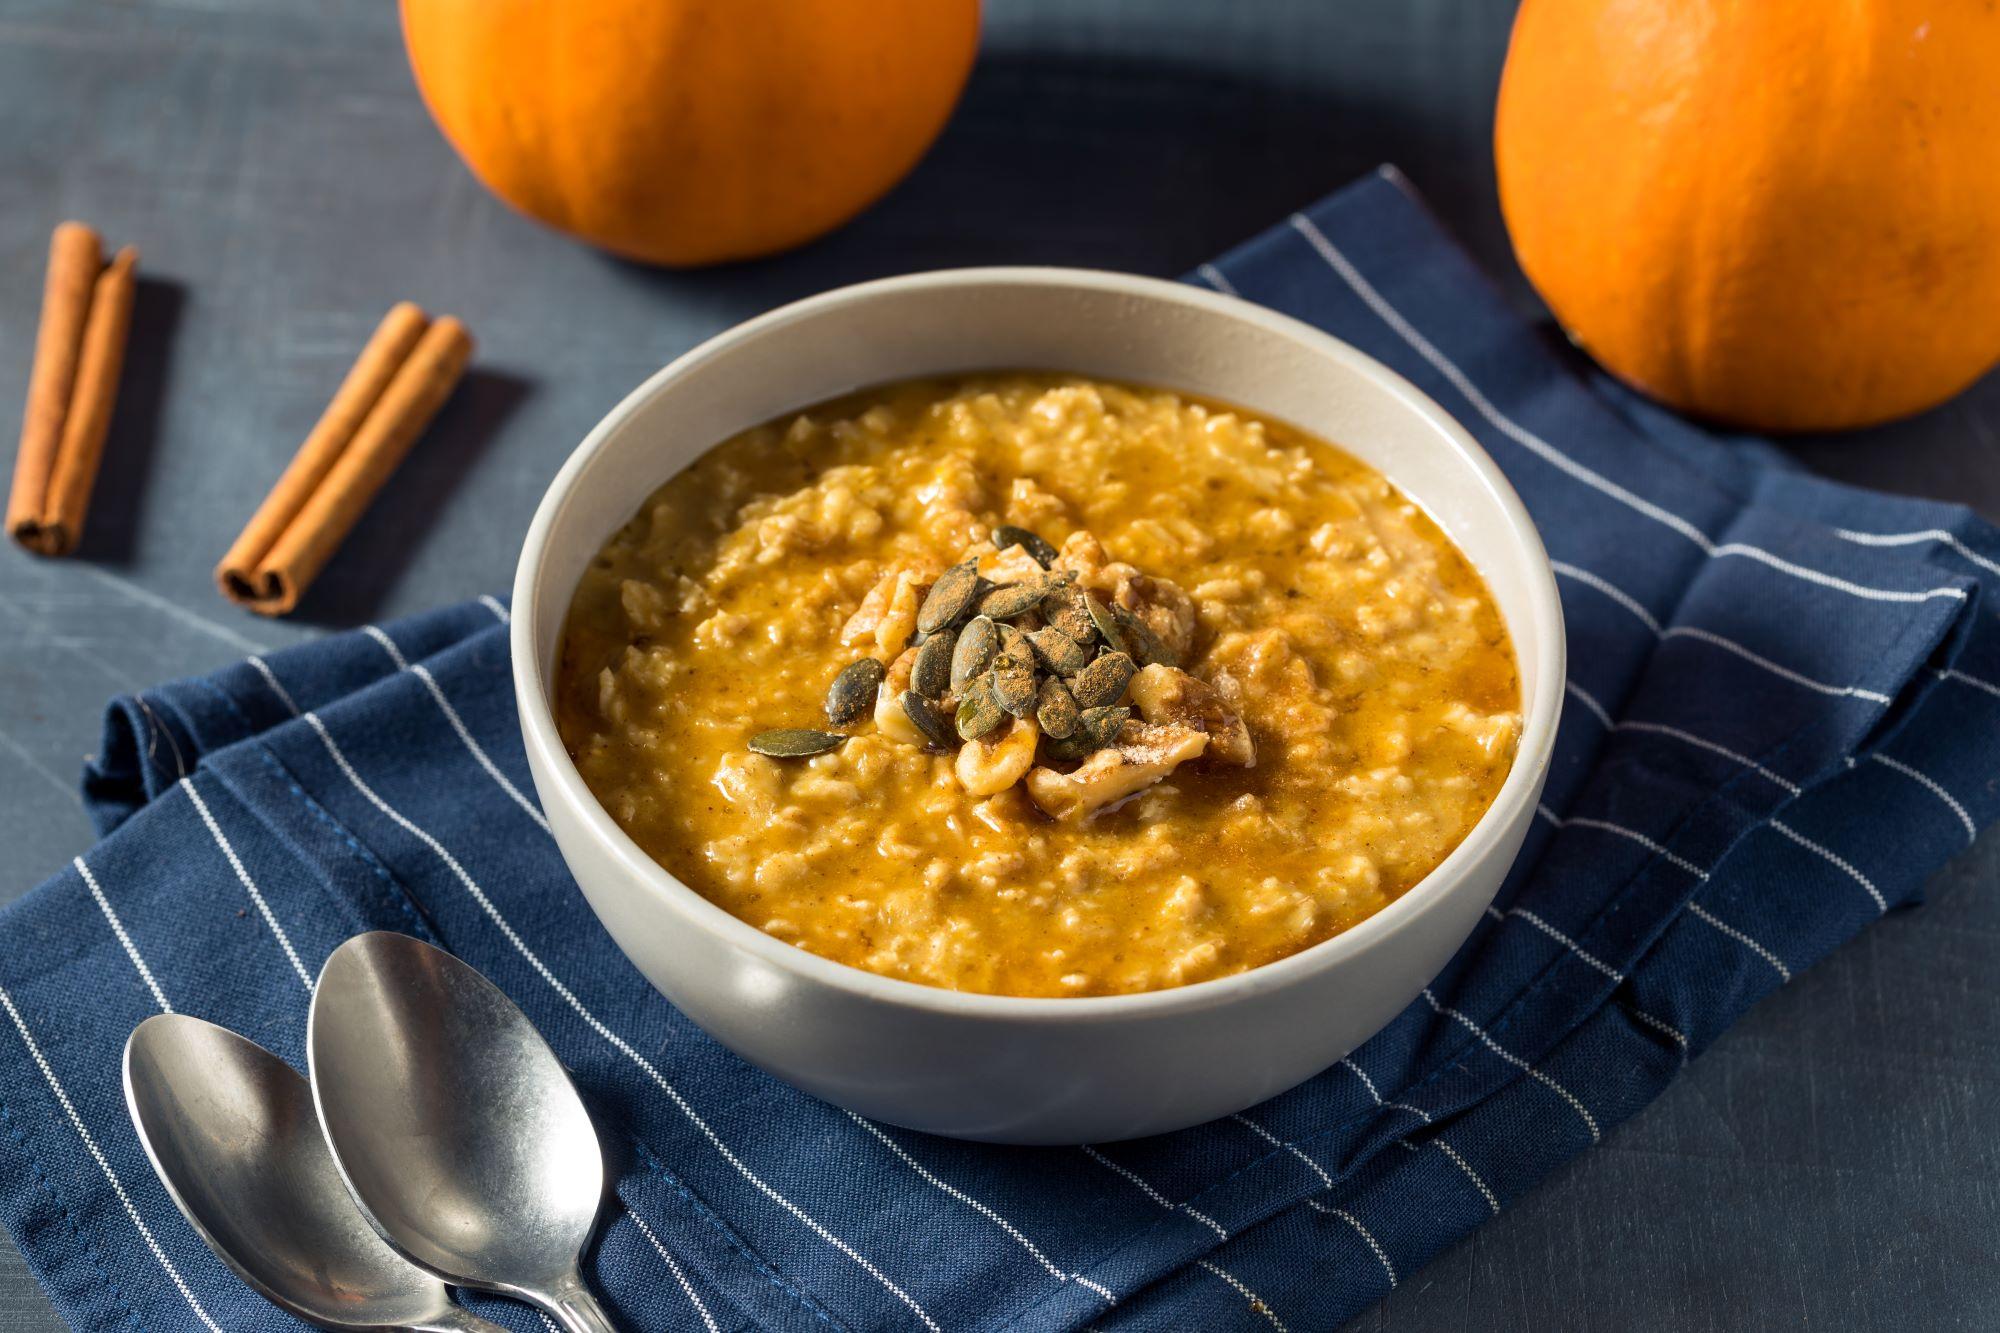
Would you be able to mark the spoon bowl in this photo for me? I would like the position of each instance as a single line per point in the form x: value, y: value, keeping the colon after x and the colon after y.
x: 229, y: 1128
x: 454, y: 1125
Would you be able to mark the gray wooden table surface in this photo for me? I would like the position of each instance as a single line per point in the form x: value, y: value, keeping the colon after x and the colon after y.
x: 1832, y: 1163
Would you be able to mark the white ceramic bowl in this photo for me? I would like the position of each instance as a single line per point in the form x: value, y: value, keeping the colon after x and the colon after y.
x: 996, y: 1067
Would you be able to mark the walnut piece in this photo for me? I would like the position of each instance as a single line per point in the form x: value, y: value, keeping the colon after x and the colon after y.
x: 1142, y: 755
x: 1167, y: 695
x: 994, y: 763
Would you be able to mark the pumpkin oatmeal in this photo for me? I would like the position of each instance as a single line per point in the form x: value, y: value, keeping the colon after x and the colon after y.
x: 1038, y: 685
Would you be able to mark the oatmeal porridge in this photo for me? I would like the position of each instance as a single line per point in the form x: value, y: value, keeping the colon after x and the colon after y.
x: 1038, y: 685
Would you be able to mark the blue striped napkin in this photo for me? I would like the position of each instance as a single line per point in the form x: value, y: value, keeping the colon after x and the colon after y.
x: 1785, y: 714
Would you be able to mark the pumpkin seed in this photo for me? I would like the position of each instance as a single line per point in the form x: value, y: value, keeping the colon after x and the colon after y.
x: 1102, y: 724
x: 794, y: 742
x: 978, y: 713
x: 949, y: 597
x: 1059, y: 650
x: 1067, y: 749
x: 930, y: 674
x: 853, y: 691
x: 1103, y: 682
x: 928, y: 719
x: 977, y: 643
x: 1015, y: 599
x: 1014, y: 643
x: 1067, y: 614
x: 1007, y: 535
x: 1105, y: 624
x: 1146, y: 646
x: 1055, y: 709
x: 1013, y: 684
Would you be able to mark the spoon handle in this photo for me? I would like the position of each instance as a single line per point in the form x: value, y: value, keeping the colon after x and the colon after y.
x: 571, y: 1305
x: 457, y: 1319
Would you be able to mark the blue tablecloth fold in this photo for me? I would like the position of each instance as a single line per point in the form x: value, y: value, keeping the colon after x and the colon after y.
x: 1785, y: 714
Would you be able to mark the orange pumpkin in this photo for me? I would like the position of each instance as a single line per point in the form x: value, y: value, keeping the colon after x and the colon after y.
x: 690, y: 131
x: 1782, y: 214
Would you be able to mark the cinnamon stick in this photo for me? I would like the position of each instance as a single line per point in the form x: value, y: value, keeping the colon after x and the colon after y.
x: 79, y: 351
x: 97, y: 370
x: 401, y: 379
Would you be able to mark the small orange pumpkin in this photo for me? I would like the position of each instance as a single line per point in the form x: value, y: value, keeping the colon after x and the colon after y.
x: 1781, y: 214
x: 690, y: 131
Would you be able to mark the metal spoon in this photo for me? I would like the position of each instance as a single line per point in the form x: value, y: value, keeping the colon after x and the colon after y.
x: 454, y: 1125
x: 230, y: 1129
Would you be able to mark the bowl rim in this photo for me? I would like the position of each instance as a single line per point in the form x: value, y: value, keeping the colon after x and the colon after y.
x: 557, y: 776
